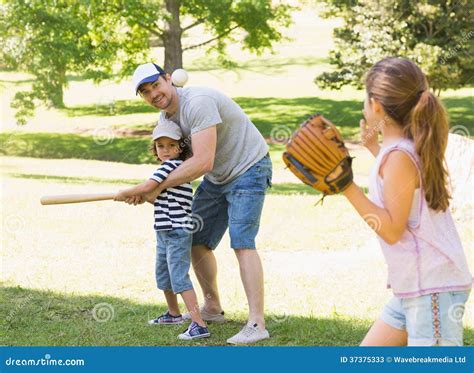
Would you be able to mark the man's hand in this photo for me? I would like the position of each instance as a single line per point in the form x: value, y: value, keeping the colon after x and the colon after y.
x: 121, y: 196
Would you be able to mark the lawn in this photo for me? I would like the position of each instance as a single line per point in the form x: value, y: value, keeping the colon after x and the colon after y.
x: 324, y: 285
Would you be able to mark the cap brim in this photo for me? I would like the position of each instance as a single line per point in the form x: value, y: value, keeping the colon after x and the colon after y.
x: 170, y: 135
x: 149, y: 79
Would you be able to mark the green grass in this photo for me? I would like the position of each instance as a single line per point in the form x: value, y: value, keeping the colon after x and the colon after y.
x: 284, y: 115
x: 268, y: 113
x: 277, y: 188
x: 132, y: 150
x: 63, y: 146
x: 324, y: 282
x: 38, y: 318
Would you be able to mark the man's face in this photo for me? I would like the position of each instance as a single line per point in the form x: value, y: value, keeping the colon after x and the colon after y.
x: 160, y: 94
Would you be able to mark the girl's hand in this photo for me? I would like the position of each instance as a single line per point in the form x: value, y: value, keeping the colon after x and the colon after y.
x: 369, y: 136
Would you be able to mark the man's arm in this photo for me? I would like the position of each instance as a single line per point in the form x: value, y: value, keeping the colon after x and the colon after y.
x: 204, y: 150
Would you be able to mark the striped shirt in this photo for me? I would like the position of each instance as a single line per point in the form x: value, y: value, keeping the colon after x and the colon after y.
x: 173, y: 205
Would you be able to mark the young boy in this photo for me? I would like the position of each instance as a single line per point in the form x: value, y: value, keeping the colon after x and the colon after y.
x: 173, y: 226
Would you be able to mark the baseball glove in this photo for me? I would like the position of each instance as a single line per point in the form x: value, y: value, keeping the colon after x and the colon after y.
x: 316, y: 154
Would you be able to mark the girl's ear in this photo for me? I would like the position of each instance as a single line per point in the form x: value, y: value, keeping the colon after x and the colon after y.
x: 376, y: 106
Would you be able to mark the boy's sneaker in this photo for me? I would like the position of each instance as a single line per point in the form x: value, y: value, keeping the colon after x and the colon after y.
x: 194, y: 331
x: 249, y: 334
x: 167, y: 319
x: 206, y: 316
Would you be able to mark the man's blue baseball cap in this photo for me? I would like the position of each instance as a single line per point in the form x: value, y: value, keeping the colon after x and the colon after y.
x: 146, y: 73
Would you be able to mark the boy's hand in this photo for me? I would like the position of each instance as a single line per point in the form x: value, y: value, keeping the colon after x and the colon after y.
x: 135, y: 200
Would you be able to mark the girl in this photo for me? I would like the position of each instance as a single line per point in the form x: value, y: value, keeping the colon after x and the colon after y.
x: 173, y: 225
x: 408, y: 208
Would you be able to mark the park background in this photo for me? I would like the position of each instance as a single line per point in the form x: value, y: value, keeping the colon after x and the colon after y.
x: 84, y: 274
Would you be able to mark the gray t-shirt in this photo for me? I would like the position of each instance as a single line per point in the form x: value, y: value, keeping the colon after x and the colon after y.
x: 239, y: 143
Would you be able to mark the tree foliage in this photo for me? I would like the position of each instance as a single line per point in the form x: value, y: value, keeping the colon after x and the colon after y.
x: 100, y: 39
x: 51, y: 38
x: 436, y: 34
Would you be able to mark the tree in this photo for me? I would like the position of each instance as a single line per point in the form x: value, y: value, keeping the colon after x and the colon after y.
x: 169, y: 20
x: 50, y: 38
x: 100, y: 39
x: 435, y: 34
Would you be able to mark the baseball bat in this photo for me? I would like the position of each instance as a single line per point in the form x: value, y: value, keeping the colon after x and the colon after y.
x: 75, y: 198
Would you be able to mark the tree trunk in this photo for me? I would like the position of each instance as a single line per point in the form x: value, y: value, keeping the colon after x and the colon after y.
x: 172, y: 38
x: 56, y: 98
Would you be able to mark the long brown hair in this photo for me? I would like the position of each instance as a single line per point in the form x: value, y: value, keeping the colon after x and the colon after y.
x: 402, y: 89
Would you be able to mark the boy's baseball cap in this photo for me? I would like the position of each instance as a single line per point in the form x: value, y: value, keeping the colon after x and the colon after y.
x: 167, y: 129
x: 146, y: 73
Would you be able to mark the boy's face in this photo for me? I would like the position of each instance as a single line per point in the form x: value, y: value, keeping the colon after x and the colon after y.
x: 159, y: 94
x: 167, y: 148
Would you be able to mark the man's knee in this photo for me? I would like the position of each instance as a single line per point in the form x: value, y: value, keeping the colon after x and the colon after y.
x: 245, y: 253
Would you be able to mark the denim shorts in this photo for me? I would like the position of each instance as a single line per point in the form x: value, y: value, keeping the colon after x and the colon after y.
x: 430, y: 320
x: 173, y: 259
x: 236, y: 205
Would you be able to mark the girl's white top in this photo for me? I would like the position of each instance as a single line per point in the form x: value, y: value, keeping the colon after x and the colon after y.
x: 429, y: 257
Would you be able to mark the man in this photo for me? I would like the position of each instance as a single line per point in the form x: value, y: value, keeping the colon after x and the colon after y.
x: 233, y: 157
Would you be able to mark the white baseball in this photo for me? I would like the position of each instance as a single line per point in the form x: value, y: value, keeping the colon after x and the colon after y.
x: 179, y: 77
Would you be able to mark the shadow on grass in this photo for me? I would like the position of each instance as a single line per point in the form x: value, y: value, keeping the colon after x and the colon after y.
x: 276, y: 119
x: 119, y: 107
x: 268, y: 113
x: 73, y: 179
x: 35, y: 318
x: 132, y: 150
x: 265, y: 113
x: 65, y: 146
x: 267, y: 66
x: 277, y: 189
